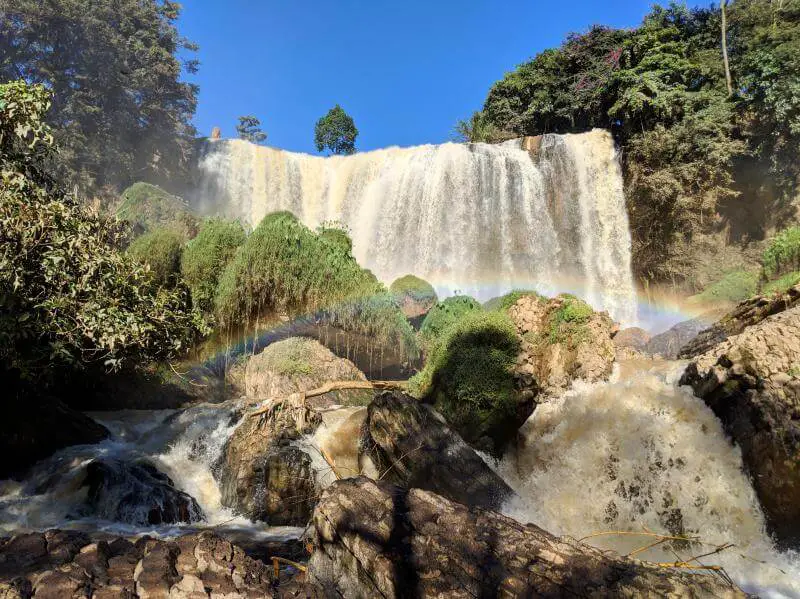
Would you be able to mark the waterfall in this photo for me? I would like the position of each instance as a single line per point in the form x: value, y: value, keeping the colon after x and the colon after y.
x: 476, y: 218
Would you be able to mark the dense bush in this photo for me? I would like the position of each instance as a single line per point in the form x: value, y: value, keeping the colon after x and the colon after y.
x: 206, y: 256
x: 566, y: 323
x: 734, y: 286
x: 69, y: 299
x: 504, y: 302
x: 415, y: 288
x: 468, y: 378
x: 783, y: 253
x: 442, y: 316
x: 160, y: 250
x: 147, y: 206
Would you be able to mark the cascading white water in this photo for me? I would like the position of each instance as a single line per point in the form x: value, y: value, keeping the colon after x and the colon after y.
x: 479, y: 218
x: 640, y: 454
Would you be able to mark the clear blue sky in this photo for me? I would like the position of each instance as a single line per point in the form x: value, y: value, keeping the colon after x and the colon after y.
x: 406, y: 71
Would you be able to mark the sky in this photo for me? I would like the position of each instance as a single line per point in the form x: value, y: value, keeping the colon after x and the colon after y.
x: 406, y: 71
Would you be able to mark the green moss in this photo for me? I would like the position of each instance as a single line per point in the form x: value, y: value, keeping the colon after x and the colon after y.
x: 566, y: 323
x: 291, y: 357
x: 734, y: 286
x: 414, y: 287
x: 781, y: 284
x: 442, y: 316
x: 206, y: 256
x: 161, y: 250
x: 147, y: 206
x: 504, y: 302
x: 468, y: 376
x: 783, y: 253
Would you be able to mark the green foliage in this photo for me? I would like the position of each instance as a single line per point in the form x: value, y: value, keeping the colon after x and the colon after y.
x: 249, y: 129
x: 689, y: 150
x: 69, y: 299
x: 206, y: 256
x: 781, y: 284
x: 478, y: 128
x: 734, y: 286
x: 336, y: 131
x: 146, y: 206
x: 468, y: 376
x: 566, y: 323
x: 504, y: 302
x: 782, y: 254
x: 442, y: 316
x: 114, y: 69
x: 413, y: 287
x: 337, y: 234
x: 291, y: 357
x: 160, y: 250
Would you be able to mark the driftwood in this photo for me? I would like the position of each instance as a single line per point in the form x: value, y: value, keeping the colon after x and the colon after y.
x: 373, y: 539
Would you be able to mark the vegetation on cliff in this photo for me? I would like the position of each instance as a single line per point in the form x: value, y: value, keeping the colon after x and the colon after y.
x: 697, y: 159
x: 146, y: 206
x: 69, y: 297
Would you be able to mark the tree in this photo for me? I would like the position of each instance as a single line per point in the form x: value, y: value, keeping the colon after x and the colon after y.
x: 336, y: 131
x: 69, y: 298
x: 728, y: 81
x: 249, y: 129
x: 120, y: 109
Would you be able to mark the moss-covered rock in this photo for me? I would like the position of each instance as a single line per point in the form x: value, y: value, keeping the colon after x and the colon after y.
x: 415, y: 296
x: 160, y: 249
x: 442, y: 316
x: 504, y: 302
x: 147, y: 206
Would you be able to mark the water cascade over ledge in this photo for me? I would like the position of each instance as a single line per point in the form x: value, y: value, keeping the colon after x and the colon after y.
x: 476, y: 218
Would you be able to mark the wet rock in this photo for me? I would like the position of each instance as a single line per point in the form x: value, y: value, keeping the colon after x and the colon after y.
x: 25, y: 553
x: 411, y: 446
x: 747, y: 313
x: 31, y: 431
x: 562, y: 340
x: 137, y: 493
x: 751, y: 381
x: 196, y: 566
x: 373, y: 539
x: 669, y: 343
x: 633, y: 337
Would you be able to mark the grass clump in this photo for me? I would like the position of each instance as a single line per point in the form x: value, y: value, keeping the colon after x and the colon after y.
x: 291, y: 357
x: 415, y: 288
x: 734, y: 286
x: 468, y: 376
x: 442, y: 316
x: 782, y: 283
x: 504, y: 302
x: 147, y: 207
x: 783, y: 253
x: 566, y: 324
x: 206, y: 256
x: 161, y: 250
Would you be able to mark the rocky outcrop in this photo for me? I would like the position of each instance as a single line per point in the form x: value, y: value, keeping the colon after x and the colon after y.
x: 633, y: 337
x: 373, y: 539
x: 67, y: 564
x: 262, y: 473
x: 669, y: 343
x: 747, y: 313
x: 562, y: 340
x: 752, y: 383
x: 136, y: 493
x: 32, y: 431
x: 411, y: 446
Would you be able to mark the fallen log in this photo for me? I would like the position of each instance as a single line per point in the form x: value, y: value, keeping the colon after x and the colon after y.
x: 373, y: 539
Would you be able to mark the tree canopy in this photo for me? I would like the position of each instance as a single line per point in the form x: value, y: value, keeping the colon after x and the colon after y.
x: 336, y: 132
x: 249, y: 129
x: 121, y: 111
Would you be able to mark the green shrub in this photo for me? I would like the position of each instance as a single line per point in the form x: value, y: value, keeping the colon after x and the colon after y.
x: 783, y: 253
x: 734, y: 286
x: 468, y: 377
x: 782, y: 284
x: 285, y: 267
x: 147, y: 207
x: 504, y: 302
x: 69, y: 299
x: 566, y: 323
x: 291, y: 357
x: 160, y: 249
x: 206, y: 256
x: 414, y: 287
x: 442, y: 316
x: 335, y: 233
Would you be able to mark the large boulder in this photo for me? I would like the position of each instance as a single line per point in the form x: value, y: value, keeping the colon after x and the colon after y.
x: 137, y: 493
x: 632, y: 337
x: 32, y: 431
x: 262, y: 473
x: 751, y: 381
x: 747, y: 313
x: 669, y: 343
x: 563, y: 339
x: 415, y: 296
x: 65, y: 564
x: 373, y: 539
x: 411, y: 445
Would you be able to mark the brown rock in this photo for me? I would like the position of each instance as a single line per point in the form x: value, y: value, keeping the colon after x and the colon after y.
x: 634, y: 337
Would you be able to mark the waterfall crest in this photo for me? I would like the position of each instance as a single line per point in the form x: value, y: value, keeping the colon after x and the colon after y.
x: 478, y: 218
